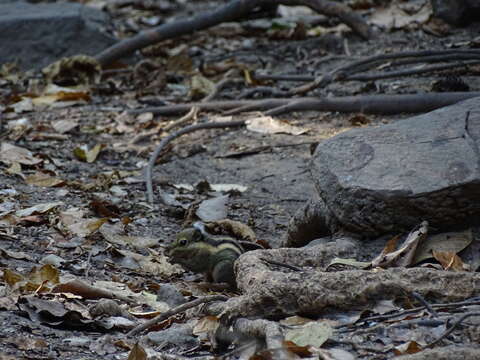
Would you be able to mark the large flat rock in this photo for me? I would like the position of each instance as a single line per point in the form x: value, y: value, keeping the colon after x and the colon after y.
x: 391, y: 177
x: 39, y: 34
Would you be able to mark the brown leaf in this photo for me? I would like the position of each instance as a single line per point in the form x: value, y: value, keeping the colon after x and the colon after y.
x: 302, y: 351
x: 404, y: 255
x: 410, y: 347
x: 43, y: 180
x: 137, y: 353
x: 450, y: 260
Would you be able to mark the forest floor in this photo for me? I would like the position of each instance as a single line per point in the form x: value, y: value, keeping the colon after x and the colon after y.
x: 72, y: 197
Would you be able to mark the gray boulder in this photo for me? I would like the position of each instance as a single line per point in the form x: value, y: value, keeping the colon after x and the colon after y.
x: 39, y: 34
x: 389, y: 178
x: 457, y: 12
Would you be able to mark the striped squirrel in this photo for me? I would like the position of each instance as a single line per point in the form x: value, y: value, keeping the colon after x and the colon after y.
x: 198, y: 251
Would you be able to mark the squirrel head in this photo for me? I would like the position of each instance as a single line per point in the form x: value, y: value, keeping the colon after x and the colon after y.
x: 190, y: 250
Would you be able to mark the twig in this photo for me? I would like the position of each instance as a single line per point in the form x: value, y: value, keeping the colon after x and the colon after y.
x: 368, y: 104
x: 288, y: 266
x: 474, y: 301
x: 222, y: 84
x: 175, y: 311
x: 165, y: 141
x: 266, y: 90
x: 407, y: 72
x: 453, y: 327
x: 372, y: 76
x: 191, y: 115
x: 375, y: 104
x: 425, y: 303
x: 205, y: 106
x: 232, y: 11
x: 346, y: 71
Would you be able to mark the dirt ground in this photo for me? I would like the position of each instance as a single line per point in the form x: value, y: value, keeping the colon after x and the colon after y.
x: 276, y: 176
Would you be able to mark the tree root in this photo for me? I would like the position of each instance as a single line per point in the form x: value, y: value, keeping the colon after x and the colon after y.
x: 368, y: 104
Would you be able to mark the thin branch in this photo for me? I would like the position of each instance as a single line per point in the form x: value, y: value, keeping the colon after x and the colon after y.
x: 425, y: 303
x: 375, y: 104
x: 371, y: 76
x: 174, y: 311
x: 368, y: 104
x: 453, y: 327
x: 220, y: 86
x: 191, y: 115
x: 345, y: 71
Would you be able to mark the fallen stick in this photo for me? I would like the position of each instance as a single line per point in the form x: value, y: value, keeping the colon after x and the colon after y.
x: 232, y: 11
x: 368, y: 104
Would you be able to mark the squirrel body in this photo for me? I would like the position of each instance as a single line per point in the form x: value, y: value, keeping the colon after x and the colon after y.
x: 200, y: 252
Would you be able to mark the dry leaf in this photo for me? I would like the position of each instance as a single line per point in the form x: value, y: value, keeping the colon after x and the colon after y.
x: 213, y: 209
x: 403, y: 256
x: 268, y: 125
x: 82, y: 153
x: 10, y: 154
x: 38, y: 209
x: 64, y: 126
x: 450, y: 261
x: 314, y: 333
x: 410, y: 347
x: 43, y: 180
x: 206, y: 324
x: 450, y: 242
x: 200, y: 86
x: 137, y: 353
x: 394, y: 17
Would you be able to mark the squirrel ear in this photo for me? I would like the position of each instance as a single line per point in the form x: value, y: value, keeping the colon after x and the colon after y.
x: 197, y: 235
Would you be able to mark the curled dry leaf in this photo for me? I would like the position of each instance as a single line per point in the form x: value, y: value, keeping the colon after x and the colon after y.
x: 88, y: 155
x: 405, y: 254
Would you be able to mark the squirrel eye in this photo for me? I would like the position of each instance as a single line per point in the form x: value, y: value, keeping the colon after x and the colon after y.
x: 183, y: 242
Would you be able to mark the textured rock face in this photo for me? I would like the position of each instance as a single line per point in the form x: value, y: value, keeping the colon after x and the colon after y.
x: 376, y: 180
x: 389, y: 178
x: 457, y: 12
x: 39, y: 34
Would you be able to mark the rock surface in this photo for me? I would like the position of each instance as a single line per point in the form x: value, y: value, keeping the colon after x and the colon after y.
x: 389, y: 178
x: 457, y: 12
x: 39, y: 34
